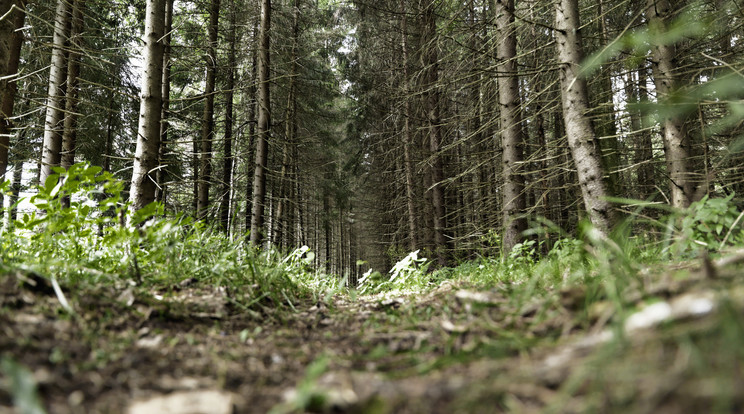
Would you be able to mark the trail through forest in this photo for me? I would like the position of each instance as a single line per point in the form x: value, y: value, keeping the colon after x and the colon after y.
x: 457, y: 348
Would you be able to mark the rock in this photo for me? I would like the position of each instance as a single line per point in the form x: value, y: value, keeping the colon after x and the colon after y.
x: 186, y: 402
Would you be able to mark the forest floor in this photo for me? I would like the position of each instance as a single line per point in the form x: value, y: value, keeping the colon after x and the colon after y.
x: 457, y: 348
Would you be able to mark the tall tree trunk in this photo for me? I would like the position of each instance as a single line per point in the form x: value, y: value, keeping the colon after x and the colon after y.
x: 264, y: 110
x: 300, y: 204
x: 327, y: 232
x: 407, y: 134
x: 512, y: 134
x: 15, y: 190
x: 142, y: 191
x: 252, y: 110
x: 7, y: 28
x: 207, y: 132
x: 432, y: 103
x: 227, y: 165
x: 54, y: 122
x: 11, y: 41
x: 643, y: 149
x: 290, y: 121
x: 676, y: 141
x: 69, y: 134
x: 109, y: 145
x: 605, y: 115
x: 582, y: 140
x: 161, y: 174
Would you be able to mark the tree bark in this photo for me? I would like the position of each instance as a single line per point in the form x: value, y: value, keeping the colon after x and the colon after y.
x: 643, y: 148
x: 252, y: 110
x: 432, y: 103
x: 9, y: 68
x: 15, y: 190
x: 54, y: 121
x: 161, y: 174
x: 281, y: 224
x: 7, y: 28
x: 582, y: 140
x: 512, y: 134
x: 142, y: 191
x: 227, y: 166
x: 605, y: 111
x: 264, y: 110
x: 407, y: 134
x: 676, y: 140
x: 207, y: 132
x: 69, y: 134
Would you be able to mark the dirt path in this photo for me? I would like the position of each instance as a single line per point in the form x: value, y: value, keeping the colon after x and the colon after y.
x: 453, y: 350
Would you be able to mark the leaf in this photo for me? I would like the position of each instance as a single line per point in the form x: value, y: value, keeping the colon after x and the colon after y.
x: 21, y: 387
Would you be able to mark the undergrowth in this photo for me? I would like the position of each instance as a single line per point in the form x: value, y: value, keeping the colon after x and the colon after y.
x: 82, y: 231
x: 604, y: 266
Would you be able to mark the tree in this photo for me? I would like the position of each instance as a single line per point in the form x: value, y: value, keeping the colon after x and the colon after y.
x: 227, y: 166
x: 263, y: 131
x: 69, y: 131
x: 512, y: 135
x: 207, y: 131
x: 160, y: 175
x: 407, y: 133
x: 282, y: 226
x: 11, y: 36
x: 676, y: 139
x: 54, y: 122
x: 143, y: 186
x: 581, y: 137
x: 432, y: 105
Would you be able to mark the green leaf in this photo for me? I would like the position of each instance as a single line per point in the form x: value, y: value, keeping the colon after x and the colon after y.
x: 21, y: 387
x: 50, y: 182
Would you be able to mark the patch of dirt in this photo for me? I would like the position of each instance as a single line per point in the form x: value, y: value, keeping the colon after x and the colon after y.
x: 456, y: 349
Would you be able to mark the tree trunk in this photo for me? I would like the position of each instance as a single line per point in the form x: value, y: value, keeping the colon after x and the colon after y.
x: 142, y: 191
x: 109, y: 146
x: 161, y: 174
x: 512, y: 134
x: 11, y: 41
x: 252, y: 103
x: 69, y: 135
x: 407, y: 138
x: 643, y: 149
x: 676, y: 141
x: 290, y: 121
x: 327, y: 263
x: 7, y: 28
x: 227, y: 165
x: 207, y: 132
x: 432, y: 103
x: 54, y: 122
x: 605, y: 112
x: 582, y: 140
x: 15, y: 190
x: 264, y: 107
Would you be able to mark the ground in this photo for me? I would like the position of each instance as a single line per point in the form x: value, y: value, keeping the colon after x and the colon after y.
x: 458, y: 348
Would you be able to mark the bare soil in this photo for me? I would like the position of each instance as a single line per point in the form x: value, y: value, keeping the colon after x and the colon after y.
x: 456, y: 349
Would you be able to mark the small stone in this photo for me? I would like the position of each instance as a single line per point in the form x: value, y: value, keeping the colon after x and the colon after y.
x: 186, y: 402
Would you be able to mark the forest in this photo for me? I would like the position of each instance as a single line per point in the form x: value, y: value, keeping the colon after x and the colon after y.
x: 218, y: 206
